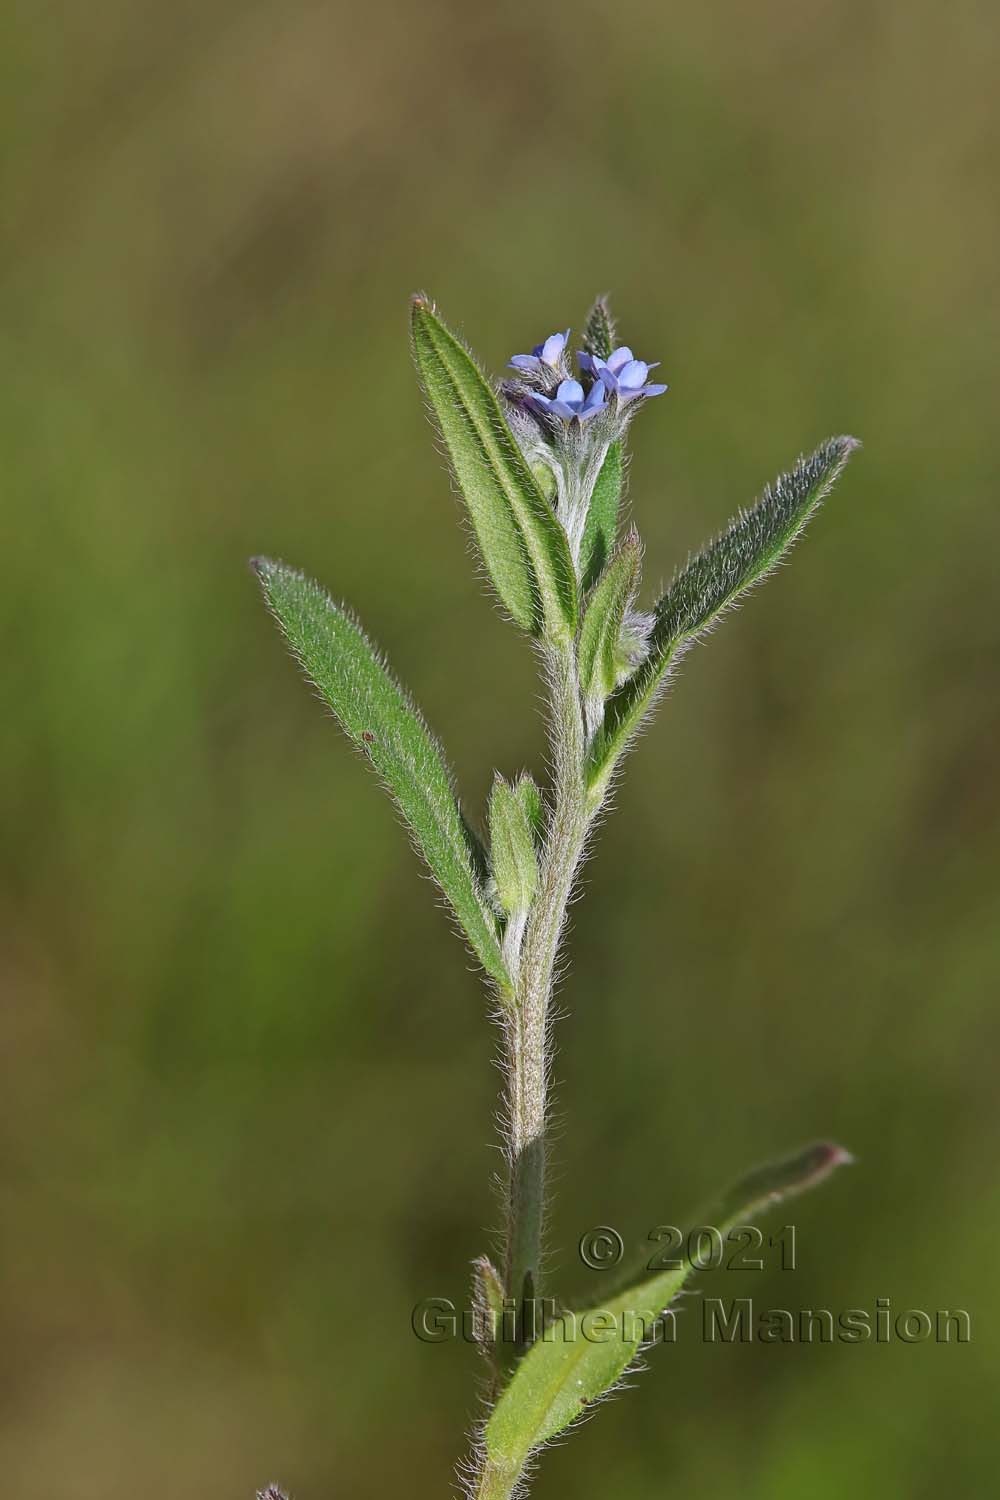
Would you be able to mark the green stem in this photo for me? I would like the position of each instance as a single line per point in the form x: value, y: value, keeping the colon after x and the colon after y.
x: 527, y: 1021
x: 527, y: 1039
x: 496, y: 1481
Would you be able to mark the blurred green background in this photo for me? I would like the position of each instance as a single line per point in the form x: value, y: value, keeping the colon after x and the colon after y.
x: 249, y: 1092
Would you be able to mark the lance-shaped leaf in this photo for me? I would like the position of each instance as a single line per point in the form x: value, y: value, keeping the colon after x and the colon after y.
x: 488, y: 1304
x: 599, y: 334
x: 526, y: 790
x: 709, y: 585
x: 581, y: 1356
x: 382, y: 721
x: 522, y: 544
x: 513, y: 861
x: 599, y: 646
x: 601, y: 525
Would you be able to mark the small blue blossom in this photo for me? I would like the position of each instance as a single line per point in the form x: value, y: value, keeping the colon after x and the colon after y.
x: 548, y: 354
x: 569, y: 401
x: 621, y: 374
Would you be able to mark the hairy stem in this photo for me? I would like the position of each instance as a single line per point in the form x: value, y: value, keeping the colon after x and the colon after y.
x: 496, y: 1481
x: 527, y: 1024
x: 527, y: 1032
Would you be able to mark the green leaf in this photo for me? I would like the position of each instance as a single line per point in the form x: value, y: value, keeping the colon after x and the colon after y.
x: 487, y: 1303
x: 382, y: 721
x: 599, y: 335
x: 522, y: 544
x: 581, y: 1356
x: 601, y: 526
x: 598, y: 650
x: 512, y: 848
x: 531, y: 800
x: 709, y: 585
x: 545, y: 479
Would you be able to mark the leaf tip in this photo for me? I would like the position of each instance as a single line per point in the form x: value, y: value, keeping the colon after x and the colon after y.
x: 769, y: 1184
x: 822, y: 1158
x: 422, y: 314
x: 815, y: 1164
x: 266, y: 571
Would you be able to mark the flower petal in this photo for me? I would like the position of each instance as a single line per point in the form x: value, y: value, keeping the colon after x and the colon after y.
x: 551, y: 351
x: 633, y: 375
x: 596, y: 398
x: 570, y: 392
x: 524, y: 361
x: 619, y: 358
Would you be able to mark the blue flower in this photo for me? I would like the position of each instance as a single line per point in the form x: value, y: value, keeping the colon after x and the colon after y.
x: 569, y: 401
x: 548, y: 354
x: 620, y: 374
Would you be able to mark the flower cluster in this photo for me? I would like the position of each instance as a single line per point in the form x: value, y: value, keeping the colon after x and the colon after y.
x: 569, y: 401
x: 621, y: 374
x: 549, y: 392
x: 545, y: 358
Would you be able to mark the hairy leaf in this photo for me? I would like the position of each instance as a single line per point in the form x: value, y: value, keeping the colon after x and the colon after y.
x: 522, y: 544
x: 599, y: 333
x: 382, y: 721
x: 601, y: 630
x: 581, y: 1356
x: 531, y: 800
x: 601, y: 526
x: 487, y: 1303
x: 710, y: 584
x: 512, y: 848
